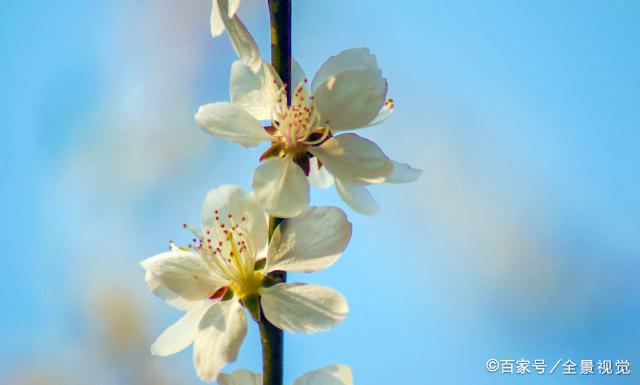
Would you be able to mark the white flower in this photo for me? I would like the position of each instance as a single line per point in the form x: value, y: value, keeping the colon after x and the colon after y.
x: 222, y: 269
x: 223, y: 16
x: 329, y: 375
x: 347, y: 92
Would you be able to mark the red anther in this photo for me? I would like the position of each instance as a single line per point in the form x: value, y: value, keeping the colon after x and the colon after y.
x: 217, y: 218
x: 222, y: 225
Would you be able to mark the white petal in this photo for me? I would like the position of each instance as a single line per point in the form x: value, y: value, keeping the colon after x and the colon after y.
x: 241, y: 40
x: 184, y: 273
x: 403, y: 173
x: 281, y: 187
x: 357, y: 197
x: 351, y: 99
x: 221, y: 332
x: 255, y: 91
x: 232, y: 122
x: 329, y: 375
x: 383, y: 115
x: 319, y: 177
x: 230, y: 199
x: 181, y: 334
x: 240, y: 377
x: 350, y: 59
x: 297, y: 74
x: 353, y: 159
x: 311, y: 241
x: 217, y: 24
x: 303, y: 308
x: 160, y: 290
x: 233, y: 7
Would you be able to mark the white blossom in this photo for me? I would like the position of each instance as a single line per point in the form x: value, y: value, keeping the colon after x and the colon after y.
x: 308, y: 142
x: 226, y: 266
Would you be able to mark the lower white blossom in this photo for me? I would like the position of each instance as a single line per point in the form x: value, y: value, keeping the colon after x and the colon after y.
x: 226, y: 267
x: 329, y: 375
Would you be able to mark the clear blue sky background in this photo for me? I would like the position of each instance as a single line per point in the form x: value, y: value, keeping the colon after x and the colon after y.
x: 519, y: 241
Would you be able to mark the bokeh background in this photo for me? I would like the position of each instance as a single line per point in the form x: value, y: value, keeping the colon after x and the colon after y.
x: 521, y: 239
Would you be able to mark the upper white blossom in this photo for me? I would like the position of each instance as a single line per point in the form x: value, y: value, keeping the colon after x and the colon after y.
x: 347, y: 92
x: 226, y: 266
x: 329, y: 375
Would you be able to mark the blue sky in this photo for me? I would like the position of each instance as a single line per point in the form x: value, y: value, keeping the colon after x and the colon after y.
x: 519, y: 241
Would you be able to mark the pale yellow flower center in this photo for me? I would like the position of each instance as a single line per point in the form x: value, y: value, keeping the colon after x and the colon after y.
x: 299, y: 125
x: 230, y: 253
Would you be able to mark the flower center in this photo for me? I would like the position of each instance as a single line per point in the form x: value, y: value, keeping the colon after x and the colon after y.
x: 298, y: 126
x: 229, y: 252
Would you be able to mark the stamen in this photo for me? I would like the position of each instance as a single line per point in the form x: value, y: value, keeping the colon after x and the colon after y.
x: 193, y: 229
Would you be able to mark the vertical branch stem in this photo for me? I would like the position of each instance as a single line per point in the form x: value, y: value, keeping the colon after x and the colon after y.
x: 280, y: 12
x: 270, y: 336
